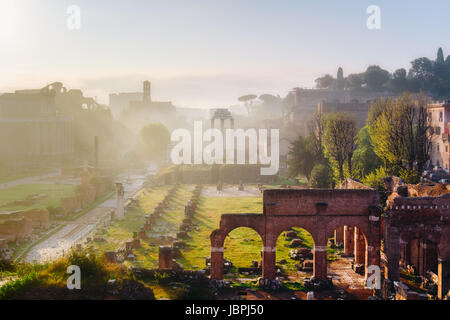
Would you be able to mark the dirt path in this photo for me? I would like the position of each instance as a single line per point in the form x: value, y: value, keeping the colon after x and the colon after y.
x: 348, y: 283
x: 28, y: 180
x: 78, y: 230
x: 231, y: 191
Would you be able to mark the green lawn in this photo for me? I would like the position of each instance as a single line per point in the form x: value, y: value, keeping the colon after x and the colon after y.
x: 242, y: 245
x: 20, y: 197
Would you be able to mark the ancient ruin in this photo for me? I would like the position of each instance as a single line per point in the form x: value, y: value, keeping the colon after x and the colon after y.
x: 320, y: 212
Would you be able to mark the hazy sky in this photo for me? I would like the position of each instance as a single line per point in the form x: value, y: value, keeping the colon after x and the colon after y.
x: 209, y: 52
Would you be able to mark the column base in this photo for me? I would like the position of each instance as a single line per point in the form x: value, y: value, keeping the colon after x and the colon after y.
x: 269, y: 283
x: 318, y: 285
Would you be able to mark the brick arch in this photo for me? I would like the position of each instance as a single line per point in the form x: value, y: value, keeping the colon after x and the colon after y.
x: 319, y: 211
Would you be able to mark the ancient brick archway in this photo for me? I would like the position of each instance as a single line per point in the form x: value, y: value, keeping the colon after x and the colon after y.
x: 319, y: 211
x: 426, y: 220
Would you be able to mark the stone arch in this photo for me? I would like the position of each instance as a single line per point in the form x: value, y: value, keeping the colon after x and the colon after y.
x: 248, y: 254
x: 281, y: 238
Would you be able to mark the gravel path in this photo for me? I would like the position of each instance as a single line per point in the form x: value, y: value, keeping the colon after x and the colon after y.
x: 231, y: 192
x: 78, y: 230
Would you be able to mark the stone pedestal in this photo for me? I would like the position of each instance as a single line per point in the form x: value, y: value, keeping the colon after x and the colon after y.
x: 217, y: 263
x: 348, y: 241
x: 165, y: 258
x: 268, y: 263
x: 320, y: 263
x: 339, y: 236
x: 120, y: 211
x: 443, y: 274
x: 360, y: 247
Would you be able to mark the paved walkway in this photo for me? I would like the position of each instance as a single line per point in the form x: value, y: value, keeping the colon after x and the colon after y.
x: 78, y: 230
x: 27, y: 180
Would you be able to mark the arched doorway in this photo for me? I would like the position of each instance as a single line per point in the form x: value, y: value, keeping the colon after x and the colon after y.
x: 242, y: 248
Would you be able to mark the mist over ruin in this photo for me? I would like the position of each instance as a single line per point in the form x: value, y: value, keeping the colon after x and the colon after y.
x: 224, y: 151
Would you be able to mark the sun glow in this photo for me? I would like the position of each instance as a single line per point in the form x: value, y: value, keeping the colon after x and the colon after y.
x: 10, y: 14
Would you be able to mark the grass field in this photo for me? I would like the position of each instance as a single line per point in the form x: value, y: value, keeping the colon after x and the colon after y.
x: 21, y: 197
x: 242, y: 245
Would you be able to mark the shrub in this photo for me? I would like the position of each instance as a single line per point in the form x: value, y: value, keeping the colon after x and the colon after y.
x: 321, y: 176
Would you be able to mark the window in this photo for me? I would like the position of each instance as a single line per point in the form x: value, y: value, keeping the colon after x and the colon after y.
x: 440, y: 117
x: 446, y: 148
x: 437, y: 130
x: 437, y: 147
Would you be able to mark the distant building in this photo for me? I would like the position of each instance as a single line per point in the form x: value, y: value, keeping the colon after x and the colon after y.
x: 359, y: 110
x: 144, y: 109
x: 31, y: 125
x: 439, y: 116
x: 50, y: 124
x: 121, y: 101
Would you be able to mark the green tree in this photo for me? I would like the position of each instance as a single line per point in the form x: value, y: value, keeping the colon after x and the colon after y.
x: 339, y: 140
x: 301, y: 158
x: 376, y: 78
x: 325, y: 82
x: 365, y: 159
x: 340, y: 82
x: 321, y: 176
x: 399, y: 131
x: 156, y: 138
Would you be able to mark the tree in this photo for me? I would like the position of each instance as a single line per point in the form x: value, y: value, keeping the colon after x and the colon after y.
x: 315, y: 129
x: 325, y: 82
x: 156, y: 138
x: 354, y: 81
x: 399, y: 81
x: 422, y: 71
x: 376, y: 78
x: 365, y: 159
x: 321, y: 176
x: 339, y: 140
x: 400, y: 131
x: 440, y: 56
x: 301, y: 158
x: 340, y: 82
x: 247, y: 100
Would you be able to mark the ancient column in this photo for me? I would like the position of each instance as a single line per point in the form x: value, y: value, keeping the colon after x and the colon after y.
x: 268, y: 261
x: 348, y: 240
x: 222, y: 125
x: 232, y: 123
x: 320, y: 262
x: 120, y: 212
x: 360, y: 247
x: 217, y: 263
x: 443, y: 285
x: 339, y: 236
x: 392, y: 250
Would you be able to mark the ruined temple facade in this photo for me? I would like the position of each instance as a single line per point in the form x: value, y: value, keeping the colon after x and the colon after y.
x: 417, y: 232
x: 32, y: 126
x: 413, y: 233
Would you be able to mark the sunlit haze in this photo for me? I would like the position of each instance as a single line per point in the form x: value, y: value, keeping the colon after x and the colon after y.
x: 207, y: 53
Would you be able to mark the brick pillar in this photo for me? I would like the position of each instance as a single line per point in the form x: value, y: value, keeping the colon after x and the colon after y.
x: 360, y: 247
x: 392, y: 249
x: 422, y: 257
x: 320, y: 262
x: 339, y: 236
x: 268, y: 262
x: 443, y: 274
x: 403, y: 253
x: 165, y: 257
x: 217, y: 263
x: 348, y: 240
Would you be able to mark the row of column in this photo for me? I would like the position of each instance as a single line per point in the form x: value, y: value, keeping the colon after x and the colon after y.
x: 395, y: 248
x: 354, y: 243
